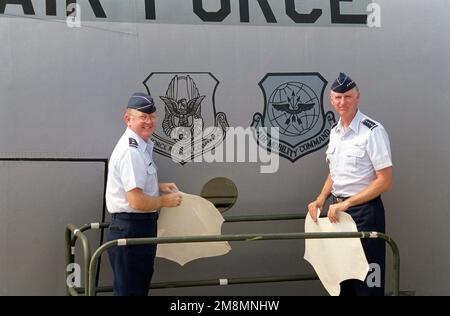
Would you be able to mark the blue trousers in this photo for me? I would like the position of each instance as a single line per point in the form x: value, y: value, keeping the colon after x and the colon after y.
x: 369, y: 217
x: 132, y: 265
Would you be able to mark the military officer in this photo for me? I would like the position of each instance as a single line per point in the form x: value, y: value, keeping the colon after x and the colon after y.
x: 133, y: 198
x: 360, y: 164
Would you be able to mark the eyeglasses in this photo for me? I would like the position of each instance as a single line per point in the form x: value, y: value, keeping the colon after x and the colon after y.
x: 144, y: 118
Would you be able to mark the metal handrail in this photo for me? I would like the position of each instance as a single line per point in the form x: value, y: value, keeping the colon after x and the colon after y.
x: 213, y: 282
x: 92, y: 262
x: 70, y: 251
x: 241, y: 237
x: 260, y: 218
x: 228, y: 219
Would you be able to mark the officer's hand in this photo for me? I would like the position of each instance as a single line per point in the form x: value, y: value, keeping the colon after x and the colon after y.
x: 334, y: 209
x: 168, y: 187
x: 312, y: 209
x: 171, y: 199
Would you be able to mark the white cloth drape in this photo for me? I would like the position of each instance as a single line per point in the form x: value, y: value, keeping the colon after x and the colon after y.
x: 338, y: 259
x: 195, y: 216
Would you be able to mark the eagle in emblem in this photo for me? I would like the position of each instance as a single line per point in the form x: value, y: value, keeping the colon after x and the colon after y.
x: 182, y: 105
x: 293, y: 108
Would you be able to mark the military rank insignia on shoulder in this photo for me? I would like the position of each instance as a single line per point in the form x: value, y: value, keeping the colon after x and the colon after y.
x: 370, y: 124
x: 133, y: 142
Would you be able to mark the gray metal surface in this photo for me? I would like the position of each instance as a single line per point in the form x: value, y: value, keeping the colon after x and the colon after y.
x: 63, y: 91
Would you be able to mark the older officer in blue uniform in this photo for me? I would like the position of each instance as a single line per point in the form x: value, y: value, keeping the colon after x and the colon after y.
x: 133, y: 199
x: 359, y: 159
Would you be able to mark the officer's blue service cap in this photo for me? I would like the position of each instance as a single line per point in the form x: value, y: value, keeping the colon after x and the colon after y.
x: 142, y: 102
x: 343, y: 83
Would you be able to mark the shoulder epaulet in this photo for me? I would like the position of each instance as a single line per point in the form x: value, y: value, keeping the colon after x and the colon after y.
x: 133, y: 142
x: 334, y: 125
x: 370, y: 124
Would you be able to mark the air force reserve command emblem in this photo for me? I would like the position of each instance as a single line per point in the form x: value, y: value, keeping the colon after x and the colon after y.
x: 185, y: 103
x: 293, y: 102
